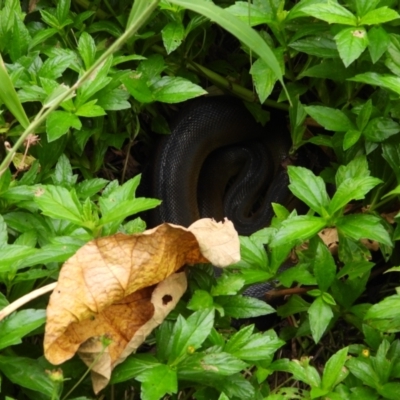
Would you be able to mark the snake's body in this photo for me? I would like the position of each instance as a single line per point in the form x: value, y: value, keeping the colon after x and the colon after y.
x: 217, y: 162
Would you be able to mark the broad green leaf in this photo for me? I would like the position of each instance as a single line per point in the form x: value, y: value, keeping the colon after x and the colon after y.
x: 390, y: 82
x: 113, y: 100
x: 333, y: 13
x: 90, y: 109
x: 301, y: 370
x: 364, y: 6
x: 390, y: 390
x: 3, y: 232
x: 379, y: 16
x: 62, y: 10
x: 351, y: 138
x: 18, y: 325
x: 172, y: 34
x: 320, y: 315
x: 264, y: 79
x: 324, y: 266
x: 352, y: 189
x: 125, y: 209
x: 53, y: 67
x: 227, y: 285
x: 27, y: 373
x: 362, y: 369
x: 188, y: 335
x: 137, y: 225
x: 237, y: 28
x: 355, y: 169
x: 20, y: 40
x: 300, y: 273
x: 323, y: 47
x: 200, y: 300
x: 329, y: 69
x: 380, y: 129
x: 58, y: 124
x: 258, y: 346
x: 89, y: 187
x: 170, y: 89
x: 250, y: 13
x: 157, y: 382
x: 201, y: 367
x: 330, y: 118
x: 363, y: 226
x: 297, y: 229
x: 253, y: 252
x: 351, y: 42
x: 235, y: 386
x: 378, y: 42
x: 384, y: 315
x: 243, y: 307
x: 87, y: 49
x: 133, y: 366
x: 41, y: 36
x: 63, y: 173
x: 308, y: 188
x: 335, y: 371
x: 136, y: 84
x: 355, y: 269
x: 13, y: 255
x: 60, y: 203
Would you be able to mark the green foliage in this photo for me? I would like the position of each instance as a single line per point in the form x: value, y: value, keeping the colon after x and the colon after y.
x: 92, y: 79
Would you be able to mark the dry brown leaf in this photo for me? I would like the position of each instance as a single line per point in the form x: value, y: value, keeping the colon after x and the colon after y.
x: 107, y: 286
x: 330, y: 237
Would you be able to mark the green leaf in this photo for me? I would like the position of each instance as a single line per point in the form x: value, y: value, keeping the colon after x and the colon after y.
x: 58, y: 202
x: 391, y: 153
x: 308, y: 188
x: 384, y: 315
x: 13, y: 255
x: 87, y: 49
x: 363, y: 226
x: 9, y: 96
x: 58, y: 124
x: 41, y: 36
x: 257, y: 346
x: 390, y: 82
x: 53, y: 67
x: 330, y: 118
x: 62, y: 10
x: 243, y: 307
x: 237, y: 28
x: 362, y: 369
x: 379, y: 16
x: 27, y: 373
x: 188, y: 335
x: 378, y: 42
x: 333, y: 13
x: 334, y: 371
x: 298, y: 229
x: 264, y: 79
x: 351, y: 138
x: 170, y: 89
x: 351, y: 42
x: 352, y: 189
x: 250, y: 13
x: 324, y: 266
x: 172, y: 34
x: 301, y: 370
x: 90, y: 109
x: 355, y: 169
x: 113, y: 100
x: 19, y: 325
x: 201, y: 367
x: 20, y: 39
x: 89, y: 187
x: 252, y: 252
x: 380, y: 129
x: 3, y: 232
x: 320, y: 315
x: 364, y: 115
x: 200, y: 300
x: 323, y: 47
x: 390, y: 390
x: 125, y: 209
x: 157, y: 382
x: 227, y: 285
x: 63, y: 173
x: 294, y: 305
x: 133, y: 366
x: 136, y: 84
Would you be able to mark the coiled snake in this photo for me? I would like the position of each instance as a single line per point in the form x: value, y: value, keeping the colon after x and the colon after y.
x: 217, y: 162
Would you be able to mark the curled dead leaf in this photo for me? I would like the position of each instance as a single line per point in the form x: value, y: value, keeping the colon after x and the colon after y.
x: 107, y: 288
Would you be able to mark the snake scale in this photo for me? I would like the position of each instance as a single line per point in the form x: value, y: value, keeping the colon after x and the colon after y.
x: 217, y: 162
